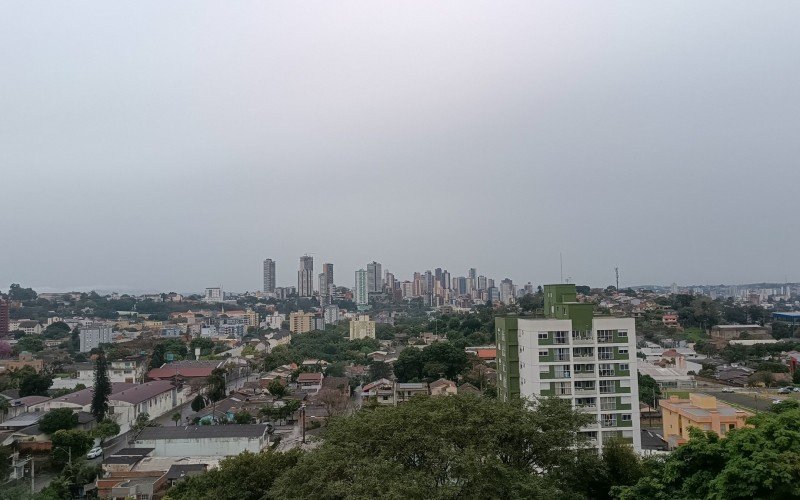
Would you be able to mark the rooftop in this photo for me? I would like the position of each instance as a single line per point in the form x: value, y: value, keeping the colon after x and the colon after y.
x: 202, y: 432
x: 142, y: 392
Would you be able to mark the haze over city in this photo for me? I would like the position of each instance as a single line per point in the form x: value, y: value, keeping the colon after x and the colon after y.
x: 175, y: 146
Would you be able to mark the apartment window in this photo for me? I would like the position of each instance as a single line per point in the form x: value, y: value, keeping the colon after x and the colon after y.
x: 605, y: 336
x: 584, y: 385
x: 607, y: 387
x: 606, y: 370
x: 610, y: 420
x: 626, y: 417
x: 624, y: 367
x: 563, y: 389
x: 584, y: 402
x: 543, y: 336
x: 608, y: 404
x: 562, y: 371
x: 605, y: 353
x: 622, y: 334
x: 560, y: 337
x: 622, y: 350
x: 562, y: 355
x: 543, y: 353
x: 583, y: 352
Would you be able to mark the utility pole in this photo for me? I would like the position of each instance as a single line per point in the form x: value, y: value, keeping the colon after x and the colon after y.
x: 303, y: 421
x: 33, y: 474
x: 616, y: 271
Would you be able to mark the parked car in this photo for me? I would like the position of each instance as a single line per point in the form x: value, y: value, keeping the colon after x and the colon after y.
x: 94, y: 452
x: 727, y: 389
x: 785, y: 390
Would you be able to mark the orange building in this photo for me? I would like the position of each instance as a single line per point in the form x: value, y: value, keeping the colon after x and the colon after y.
x: 701, y: 411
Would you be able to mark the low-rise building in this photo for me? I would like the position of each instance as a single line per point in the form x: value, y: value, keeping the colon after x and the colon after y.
x: 93, y: 335
x: 443, y: 387
x: 381, y: 391
x: 310, y: 382
x: 721, y: 335
x: 405, y: 391
x: 24, y: 359
x: 203, y: 440
x: 153, y: 398
x: 701, y: 411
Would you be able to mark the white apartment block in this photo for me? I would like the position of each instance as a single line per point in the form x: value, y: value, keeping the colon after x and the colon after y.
x: 595, y: 370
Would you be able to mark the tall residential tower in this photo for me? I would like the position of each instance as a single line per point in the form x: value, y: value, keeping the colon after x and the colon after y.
x: 574, y: 355
x: 305, y: 277
x: 269, y: 276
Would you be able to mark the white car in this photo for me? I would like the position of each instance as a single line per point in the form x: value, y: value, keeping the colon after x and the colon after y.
x: 94, y: 452
x: 777, y: 401
x: 727, y: 389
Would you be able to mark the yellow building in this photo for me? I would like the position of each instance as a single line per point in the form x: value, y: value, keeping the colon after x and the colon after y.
x: 301, y: 322
x: 362, y: 328
x: 701, y: 411
x: 253, y: 318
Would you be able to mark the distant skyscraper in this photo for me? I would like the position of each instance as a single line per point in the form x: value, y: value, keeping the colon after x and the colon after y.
x: 428, y: 277
x: 437, y: 275
x: 269, y: 276
x: 473, y: 275
x: 305, y: 276
x: 390, y: 282
x: 481, y: 282
x: 361, y: 290
x: 374, y: 277
x: 324, y: 295
x: 445, y: 279
x: 327, y: 269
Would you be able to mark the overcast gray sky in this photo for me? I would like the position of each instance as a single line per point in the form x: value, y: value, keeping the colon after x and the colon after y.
x: 175, y: 145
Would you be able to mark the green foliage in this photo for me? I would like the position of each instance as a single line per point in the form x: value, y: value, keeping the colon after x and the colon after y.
x: 102, y: 387
x: 757, y: 462
x: 277, y: 389
x: 773, y: 367
x: 105, y: 429
x: 34, y: 384
x: 77, y: 440
x: 16, y: 292
x: 440, y: 359
x: 247, y: 476
x: 30, y: 343
x: 58, y: 419
x: 452, y: 447
x: 243, y: 417
x: 216, y: 385
x: 69, y: 482
x: 176, y: 417
x: 649, y: 391
x: 198, y: 403
x: 379, y: 370
x: 56, y: 330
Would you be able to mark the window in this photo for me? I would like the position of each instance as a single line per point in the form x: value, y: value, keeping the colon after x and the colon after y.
x: 562, y: 354
x: 607, y: 387
x: 604, y: 336
x: 543, y: 353
x: 622, y: 350
x: 625, y: 367
x: 562, y: 371
x: 609, y: 420
x: 560, y: 337
x: 544, y: 336
x: 608, y: 404
x: 584, y: 385
x: 605, y: 353
x: 626, y: 417
x: 606, y: 370
x: 622, y: 334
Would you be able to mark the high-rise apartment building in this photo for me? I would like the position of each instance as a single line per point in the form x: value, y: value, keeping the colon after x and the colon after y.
x: 305, y: 276
x: 4, y: 318
x: 327, y: 270
x: 390, y: 281
x: 445, y: 279
x: 473, y: 275
x: 324, y: 289
x: 269, y: 276
x: 92, y: 336
x: 361, y: 290
x: 374, y: 277
x: 572, y: 354
x: 301, y: 322
x: 362, y: 328
x: 482, y: 283
x: 214, y: 295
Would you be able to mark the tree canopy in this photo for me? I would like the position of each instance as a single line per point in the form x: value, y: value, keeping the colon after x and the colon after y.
x: 58, y: 419
x: 440, y: 359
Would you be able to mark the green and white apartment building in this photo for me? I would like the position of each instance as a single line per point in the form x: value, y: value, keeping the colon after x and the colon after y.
x: 573, y: 354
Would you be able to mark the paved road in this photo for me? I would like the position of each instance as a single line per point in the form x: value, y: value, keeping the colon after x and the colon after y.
x: 751, y: 400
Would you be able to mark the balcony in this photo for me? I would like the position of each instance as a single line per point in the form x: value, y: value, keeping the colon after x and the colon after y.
x: 587, y: 408
x: 580, y: 357
x: 583, y: 340
x: 592, y: 391
x: 585, y: 375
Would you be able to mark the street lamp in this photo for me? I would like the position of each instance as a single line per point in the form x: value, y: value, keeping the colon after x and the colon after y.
x: 69, y: 450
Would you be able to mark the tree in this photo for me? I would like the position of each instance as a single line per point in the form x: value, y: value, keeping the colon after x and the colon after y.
x: 56, y: 330
x: 102, y: 387
x: 454, y: 447
x: 198, y: 403
x: 217, y: 388
x: 34, y: 384
x: 751, y: 462
x: 277, y: 389
x: 176, y: 417
x: 16, y: 292
x: 243, y: 417
x: 76, y: 440
x: 5, y: 349
x: 29, y: 343
x: 58, y: 419
x: 248, y: 476
x: 649, y: 391
x: 105, y: 429
x: 379, y: 370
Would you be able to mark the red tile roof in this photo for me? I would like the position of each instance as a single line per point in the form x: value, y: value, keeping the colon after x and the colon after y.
x: 487, y: 353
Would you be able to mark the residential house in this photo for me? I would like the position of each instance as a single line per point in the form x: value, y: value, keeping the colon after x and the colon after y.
x: 310, y: 382
x: 381, y: 390
x: 443, y: 387
x: 701, y: 411
x: 203, y: 440
x: 405, y: 391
